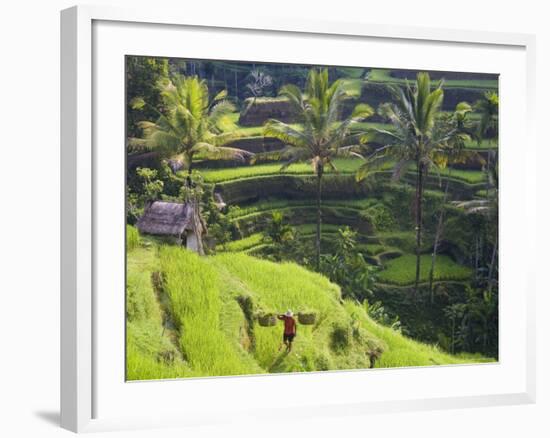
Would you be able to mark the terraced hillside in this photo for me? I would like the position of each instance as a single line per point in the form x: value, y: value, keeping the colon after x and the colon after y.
x: 190, y: 316
x: 367, y: 197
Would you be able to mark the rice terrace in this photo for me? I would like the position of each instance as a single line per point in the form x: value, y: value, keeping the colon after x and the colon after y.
x: 293, y: 218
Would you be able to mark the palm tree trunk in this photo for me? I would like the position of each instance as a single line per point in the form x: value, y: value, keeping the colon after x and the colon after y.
x: 488, y: 171
x: 485, y: 334
x: 418, y: 202
x: 476, y: 264
x: 236, y: 86
x: 198, y: 223
x: 189, y: 170
x: 318, y: 234
x: 438, y: 233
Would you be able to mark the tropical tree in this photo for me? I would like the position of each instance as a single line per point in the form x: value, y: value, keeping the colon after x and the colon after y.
x: 488, y: 108
x: 488, y: 207
x: 347, y: 267
x: 419, y: 140
x: 455, y: 313
x: 323, y: 136
x: 142, y: 75
x: 189, y: 122
x: 258, y: 85
x: 459, y: 126
x: 487, y: 125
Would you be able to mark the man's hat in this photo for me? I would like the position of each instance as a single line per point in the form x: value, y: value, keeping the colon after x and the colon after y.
x: 288, y: 313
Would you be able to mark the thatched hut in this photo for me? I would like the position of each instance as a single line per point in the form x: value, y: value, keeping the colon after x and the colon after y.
x: 180, y: 222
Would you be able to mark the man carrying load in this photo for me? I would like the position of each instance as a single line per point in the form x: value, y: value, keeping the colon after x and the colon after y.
x: 289, y: 331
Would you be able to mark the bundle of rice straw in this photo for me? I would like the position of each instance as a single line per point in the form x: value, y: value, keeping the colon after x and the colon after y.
x: 307, y: 318
x: 267, y: 319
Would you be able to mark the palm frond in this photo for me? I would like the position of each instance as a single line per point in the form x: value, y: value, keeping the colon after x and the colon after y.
x: 223, y: 152
x: 362, y: 111
x: 286, y: 133
x: 373, y: 163
x: 294, y: 95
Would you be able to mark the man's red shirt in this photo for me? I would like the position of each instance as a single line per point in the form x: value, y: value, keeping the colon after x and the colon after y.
x: 290, y: 324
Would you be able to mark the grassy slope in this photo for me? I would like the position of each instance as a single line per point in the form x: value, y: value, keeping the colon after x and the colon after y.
x: 146, y: 342
x: 214, y: 337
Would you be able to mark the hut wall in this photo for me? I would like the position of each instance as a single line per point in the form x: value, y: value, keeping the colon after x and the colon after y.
x: 192, y: 242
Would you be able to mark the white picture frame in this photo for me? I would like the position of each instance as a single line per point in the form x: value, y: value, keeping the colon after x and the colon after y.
x: 79, y: 218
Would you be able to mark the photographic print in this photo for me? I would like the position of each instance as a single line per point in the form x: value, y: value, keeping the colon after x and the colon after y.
x: 285, y: 218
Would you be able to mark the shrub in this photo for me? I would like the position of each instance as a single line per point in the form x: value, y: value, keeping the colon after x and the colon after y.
x: 379, y: 216
x: 404, y: 240
x: 323, y: 362
x: 340, y: 336
x: 378, y: 312
x: 152, y: 187
x: 347, y: 267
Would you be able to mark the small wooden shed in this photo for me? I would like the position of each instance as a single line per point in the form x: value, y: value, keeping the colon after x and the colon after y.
x: 171, y: 219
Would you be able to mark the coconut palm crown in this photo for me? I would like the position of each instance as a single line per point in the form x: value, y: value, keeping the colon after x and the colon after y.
x: 420, y: 139
x: 189, y: 122
x: 324, y: 135
x: 488, y: 107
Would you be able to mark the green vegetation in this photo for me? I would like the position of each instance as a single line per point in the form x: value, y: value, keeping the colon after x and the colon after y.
x: 345, y: 166
x: 401, y: 270
x: 132, y: 237
x: 212, y: 302
x: 195, y: 303
x: 401, y: 352
x: 334, y: 216
x: 150, y: 352
x: 322, y: 139
x: 243, y: 244
x: 279, y: 204
x: 422, y: 137
x: 191, y: 121
x: 231, y: 125
x: 383, y: 76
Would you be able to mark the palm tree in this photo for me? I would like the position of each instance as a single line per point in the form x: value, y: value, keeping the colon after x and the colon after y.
x: 189, y: 122
x: 488, y: 107
x: 487, y: 207
x: 259, y: 83
x: 418, y: 140
x: 459, y: 125
x: 323, y: 136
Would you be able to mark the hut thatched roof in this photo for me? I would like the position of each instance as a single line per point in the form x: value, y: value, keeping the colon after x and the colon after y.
x: 166, y: 219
